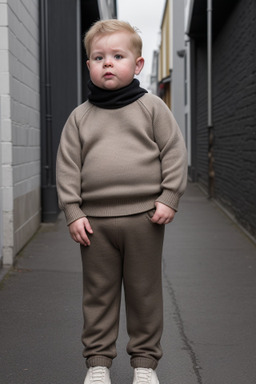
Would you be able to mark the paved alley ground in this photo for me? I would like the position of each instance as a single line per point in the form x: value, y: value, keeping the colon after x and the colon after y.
x: 209, y: 280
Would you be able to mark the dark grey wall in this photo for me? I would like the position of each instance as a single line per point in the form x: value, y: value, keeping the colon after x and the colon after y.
x: 201, y: 113
x: 59, y: 88
x: 63, y: 78
x: 234, y: 98
x: 234, y: 112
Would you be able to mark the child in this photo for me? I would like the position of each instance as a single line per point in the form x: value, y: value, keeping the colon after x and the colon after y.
x: 121, y: 169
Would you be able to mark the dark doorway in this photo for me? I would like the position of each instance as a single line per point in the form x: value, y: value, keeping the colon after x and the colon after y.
x: 63, y: 81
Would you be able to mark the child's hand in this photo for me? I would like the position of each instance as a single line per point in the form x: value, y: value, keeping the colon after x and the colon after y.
x: 163, y: 214
x: 78, y: 231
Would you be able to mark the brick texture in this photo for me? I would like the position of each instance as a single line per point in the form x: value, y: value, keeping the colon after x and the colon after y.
x: 234, y: 113
x: 20, y: 123
x: 201, y: 114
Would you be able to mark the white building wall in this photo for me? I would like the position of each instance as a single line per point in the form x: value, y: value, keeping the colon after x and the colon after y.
x: 6, y: 190
x: 20, y: 123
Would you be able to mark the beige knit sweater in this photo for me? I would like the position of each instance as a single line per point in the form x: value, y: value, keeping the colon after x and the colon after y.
x: 118, y: 162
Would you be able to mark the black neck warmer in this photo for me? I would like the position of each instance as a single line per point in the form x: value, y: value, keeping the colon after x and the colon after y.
x: 117, y: 98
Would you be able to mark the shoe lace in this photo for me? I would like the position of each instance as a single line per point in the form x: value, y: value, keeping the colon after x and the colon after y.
x: 144, y: 375
x: 98, y: 375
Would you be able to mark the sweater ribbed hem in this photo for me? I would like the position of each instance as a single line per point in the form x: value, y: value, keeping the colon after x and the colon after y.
x: 118, y: 207
x: 143, y: 362
x: 99, y: 361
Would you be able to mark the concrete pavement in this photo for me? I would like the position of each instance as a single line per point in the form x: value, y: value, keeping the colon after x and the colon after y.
x: 209, y: 271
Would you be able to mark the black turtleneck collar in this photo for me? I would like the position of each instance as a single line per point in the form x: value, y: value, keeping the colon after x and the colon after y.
x: 119, y: 98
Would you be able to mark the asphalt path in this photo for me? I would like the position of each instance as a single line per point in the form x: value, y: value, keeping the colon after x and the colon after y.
x: 209, y: 282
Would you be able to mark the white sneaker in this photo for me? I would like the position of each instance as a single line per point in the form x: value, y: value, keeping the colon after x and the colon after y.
x: 145, y: 376
x: 97, y: 375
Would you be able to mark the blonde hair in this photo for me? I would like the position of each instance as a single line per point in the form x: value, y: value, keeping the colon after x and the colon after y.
x: 111, y: 26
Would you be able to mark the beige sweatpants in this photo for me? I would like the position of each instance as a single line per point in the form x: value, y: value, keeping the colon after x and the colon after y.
x: 126, y: 250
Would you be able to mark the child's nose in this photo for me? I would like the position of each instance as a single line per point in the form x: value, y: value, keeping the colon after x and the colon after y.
x: 108, y: 63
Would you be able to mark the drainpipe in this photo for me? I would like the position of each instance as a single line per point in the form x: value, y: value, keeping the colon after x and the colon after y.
x: 211, y: 173
x: 48, y: 188
x: 45, y: 97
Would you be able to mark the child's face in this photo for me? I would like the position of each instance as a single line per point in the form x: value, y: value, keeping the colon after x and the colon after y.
x: 113, y: 62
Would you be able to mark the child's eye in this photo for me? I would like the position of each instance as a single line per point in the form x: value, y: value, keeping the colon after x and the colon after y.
x: 98, y: 58
x: 118, y: 57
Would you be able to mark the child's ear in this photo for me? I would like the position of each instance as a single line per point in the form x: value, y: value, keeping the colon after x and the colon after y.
x: 88, y: 64
x: 139, y: 65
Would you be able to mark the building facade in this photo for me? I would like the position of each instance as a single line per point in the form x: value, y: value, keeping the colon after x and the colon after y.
x: 43, y: 77
x: 20, y: 125
x: 171, y: 64
x: 223, y: 93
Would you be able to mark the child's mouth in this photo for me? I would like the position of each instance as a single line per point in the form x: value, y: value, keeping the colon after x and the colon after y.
x: 108, y: 74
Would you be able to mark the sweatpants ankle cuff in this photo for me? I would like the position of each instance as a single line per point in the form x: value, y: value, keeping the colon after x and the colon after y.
x: 143, y: 362
x: 98, y: 361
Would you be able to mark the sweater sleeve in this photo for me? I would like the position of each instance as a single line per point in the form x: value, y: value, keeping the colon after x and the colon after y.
x: 68, y: 171
x: 173, y: 154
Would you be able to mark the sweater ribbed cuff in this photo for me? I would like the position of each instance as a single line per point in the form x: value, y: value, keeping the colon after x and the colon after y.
x: 72, y: 213
x: 170, y: 198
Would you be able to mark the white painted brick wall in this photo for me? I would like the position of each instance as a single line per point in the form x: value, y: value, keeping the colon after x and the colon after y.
x: 4, y: 89
x: 20, y: 110
x: 3, y: 13
x: 24, y: 84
